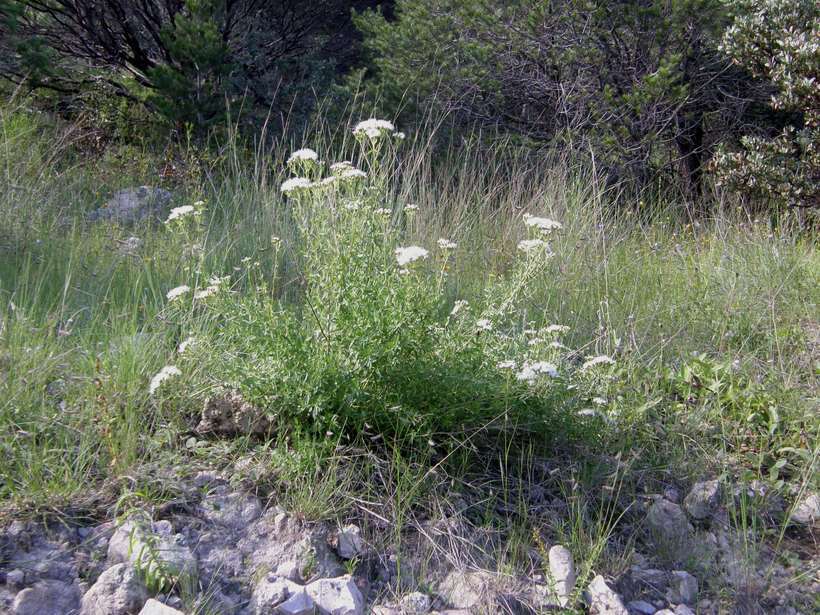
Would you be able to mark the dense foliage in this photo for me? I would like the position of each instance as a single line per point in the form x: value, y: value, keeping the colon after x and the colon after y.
x: 646, y: 92
x: 184, y: 58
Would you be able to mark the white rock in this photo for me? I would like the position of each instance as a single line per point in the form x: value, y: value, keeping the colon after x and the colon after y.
x: 298, y: 604
x: 289, y: 570
x: 16, y: 578
x: 465, y: 590
x: 603, y: 600
x: 562, y: 571
x: 338, y: 596
x: 669, y: 527
x: 703, y: 499
x: 141, y: 543
x: 683, y: 588
x: 349, y: 543
x: 270, y: 593
x: 415, y: 602
x: 682, y: 609
x: 152, y: 607
x: 641, y: 607
x: 47, y: 598
x: 807, y: 510
x: 118, y: 591
x: 233, y: 510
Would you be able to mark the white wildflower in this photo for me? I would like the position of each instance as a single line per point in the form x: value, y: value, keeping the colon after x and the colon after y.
x: 185, y: 344
x: 545, y: 225
x: 410, y: 254
x: 352, y: 173
x: 169, y: 371
x: 373, y: 128
x: 458, y: 306
x: 206, y: 292
x: 535, y: 341
x: 530, y: 245
x: 484, y: 324
x: 600, y: 401
x: 176, y: 293
x: 399, y: 135
x: 509, y: 364
x: 303, y: 155
x: 295, y: 183
x: 411, y: 208
x: 337, y: 168
x: 558, y: 346
x: 446, y: 244
x: 199, y: 204
x: 599, y: 360
x: 383, y: 211
x: 179, y: 212
x: 556, y: 329
x: 530, y: 371
x: 352, y: 205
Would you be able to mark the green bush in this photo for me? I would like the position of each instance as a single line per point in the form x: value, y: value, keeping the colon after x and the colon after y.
x: 375, y: 345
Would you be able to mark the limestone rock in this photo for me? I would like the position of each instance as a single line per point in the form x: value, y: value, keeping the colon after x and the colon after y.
x: 466, y: 590
x: 233, y: 510
x: 603, y: 600
x: 415, y: 602
x: 562, y: 571
x: 349, y: 543
x: 229, y: 414
x: 147, y: 544
x: 641, y: 607
x: 154, y: 607
x: 683, y: 588
x: 338, y: 596
x: 47, y: 598
x: 298, y: 604
x: 669, y: 527
x: 807, y: 510
x: 270, y: 593
x: 118, y: 591
x: 703, y: 499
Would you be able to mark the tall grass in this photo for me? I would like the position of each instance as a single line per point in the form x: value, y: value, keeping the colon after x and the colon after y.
x: 84, y: 323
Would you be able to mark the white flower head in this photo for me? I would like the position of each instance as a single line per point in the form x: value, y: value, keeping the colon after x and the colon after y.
x: 179, y: 212
x: 373, y: 128
x: 484, y: 324
x: 176, y: 293
x: 595, y: 361
x: 169, y: 371
x: 446, y: 244
x: 206, y: 292
x: 531, y: 245
x: 557, y: 329
x: 294, y: 184
x: 509, y: 364
x: 411, y: 208
x: 383, y: 211
x: 185, y: 344
x: 544, y: 225
x: 352, y: 173
x: 338, y: 167
x: 303, y: 155
x: 531, y: 371
x: 399, y: 135
x: 405, y: 256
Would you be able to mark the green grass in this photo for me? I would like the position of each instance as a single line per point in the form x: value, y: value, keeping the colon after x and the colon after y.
x: 714, y: 324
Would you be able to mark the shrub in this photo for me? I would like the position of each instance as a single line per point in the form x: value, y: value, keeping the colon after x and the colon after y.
x: 375, y: 345
x: 778, y: 40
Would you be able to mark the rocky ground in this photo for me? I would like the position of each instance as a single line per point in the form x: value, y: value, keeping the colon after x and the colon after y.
x: 220, y: 549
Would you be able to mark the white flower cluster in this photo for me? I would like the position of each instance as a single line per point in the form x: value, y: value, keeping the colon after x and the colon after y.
x: 176, y: 293
x: 531, y: 371
x: 595, y: 361
x: 544, y: 225
x: 373, y: 128
x: 179, y: 212
x: 446, y: 244
x: 405, y: 256
x: 294, y: 184
x: 303, y: 155
x: 169, y: 371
